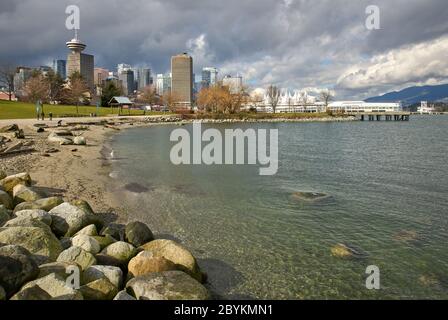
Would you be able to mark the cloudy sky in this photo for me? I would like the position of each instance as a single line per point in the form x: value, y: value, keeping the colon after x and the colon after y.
x: 292, y: 43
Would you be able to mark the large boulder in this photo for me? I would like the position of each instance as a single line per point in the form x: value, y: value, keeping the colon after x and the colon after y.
x: 114, y: 230
x: 113, y: 274
x: 80, y: 141
x: 12, y: 249
x: 15, y: 270
x: 104, y: 241
x: 32, y: 293
x: 87, y: 243
x: 43, y: 244
x: 146, y: 262
x: 101, y: 289
x: 168, y: 285
x: 3, y: 294
x: 9, y: 128
x: 2, y: 174
x: 4, y: 215
x: 62, y: 269
x: 123, y: 295
x: 121, y: 251
x: 78, y: 255
x: 69, y: 219
x: 177, y: 254
x: 61, y: 139
x: 90, y: 230
x: 38, y: 214
x: 10, y: 182
x: 43, y: 204
x: 28, y: 222
x: 138, y: 233
x: 6, y: 200
x: 22, y: 193
x: 56, y: 286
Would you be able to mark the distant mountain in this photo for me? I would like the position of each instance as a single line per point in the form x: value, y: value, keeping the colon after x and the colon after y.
x: 413, y: 95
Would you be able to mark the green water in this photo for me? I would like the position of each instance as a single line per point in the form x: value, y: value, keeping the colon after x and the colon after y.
x: 255, y: 240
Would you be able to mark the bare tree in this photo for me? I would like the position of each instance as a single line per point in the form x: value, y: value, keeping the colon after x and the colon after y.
x: 149, y: 95
x: 326, y: 96
x: 7, y: 79
x: 304, y: 98
x: 273, y: 93
x: 36, y: 88
x: 77, y: 90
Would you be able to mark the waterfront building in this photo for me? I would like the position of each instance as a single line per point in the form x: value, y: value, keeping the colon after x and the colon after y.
x: 80, y: 62
x: 60, y: 68
x: 425, y: 108
x: 182, y: 80
x: 235, y: 84
x: 209, y: 77
x: 301, y: 101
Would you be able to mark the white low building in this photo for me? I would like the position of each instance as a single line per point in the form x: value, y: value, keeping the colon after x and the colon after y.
x: 425, y: 108
x: 300, y: 101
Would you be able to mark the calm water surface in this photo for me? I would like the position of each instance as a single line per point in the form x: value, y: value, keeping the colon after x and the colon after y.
x: 388, y: 188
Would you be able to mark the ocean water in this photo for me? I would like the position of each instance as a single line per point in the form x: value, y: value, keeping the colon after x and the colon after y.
x: 387, y: 187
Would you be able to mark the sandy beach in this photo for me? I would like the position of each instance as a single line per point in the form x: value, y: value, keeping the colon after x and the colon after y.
x: 69, y: 170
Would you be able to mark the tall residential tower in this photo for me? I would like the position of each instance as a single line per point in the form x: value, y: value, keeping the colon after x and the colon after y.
x: 182, y: 80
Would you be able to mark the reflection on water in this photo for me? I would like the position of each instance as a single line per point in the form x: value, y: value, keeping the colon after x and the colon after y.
x: 379, y: 187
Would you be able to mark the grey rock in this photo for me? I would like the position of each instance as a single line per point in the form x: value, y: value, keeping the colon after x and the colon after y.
x: 5, y: 200
x: 138, y: 233
x: 68, y: 219
x: 10, y: 182
x: 80, y: 141
x: 113, y: 274
x: 22, y: 193
x: 121, y: 251
x: 41, y: 215
x: 78, y: 255
x: 123, y: 295
x: 90, y: 230
x: 168, y: 285
x: 15, y: 270
x: 32, y: 293
x: 87, y: 243
x: 12, y: 249
x: 56, y: 287
x: 43, y: 244
x: 44, y: 204
x: 101, y: 289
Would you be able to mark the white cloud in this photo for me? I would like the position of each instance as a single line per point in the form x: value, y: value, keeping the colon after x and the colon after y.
x: 414, y: 64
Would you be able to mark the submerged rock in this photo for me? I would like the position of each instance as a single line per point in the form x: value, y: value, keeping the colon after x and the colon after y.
x: 177, y: 254
x: 309, y: 196
x: 169, y: 285
x: 407, y: 236
x: 341, y: 250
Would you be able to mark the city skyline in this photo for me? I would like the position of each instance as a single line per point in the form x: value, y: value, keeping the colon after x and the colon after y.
x: 294, y: 50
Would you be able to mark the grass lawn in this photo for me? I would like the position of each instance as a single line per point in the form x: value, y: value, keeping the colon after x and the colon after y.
x: 21, y: 110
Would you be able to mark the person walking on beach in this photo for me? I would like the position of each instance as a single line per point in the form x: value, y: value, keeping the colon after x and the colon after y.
x: 50, y: 114
x: 43, y: 115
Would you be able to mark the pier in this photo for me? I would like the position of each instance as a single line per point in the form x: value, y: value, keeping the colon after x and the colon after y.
x: 379, y: 116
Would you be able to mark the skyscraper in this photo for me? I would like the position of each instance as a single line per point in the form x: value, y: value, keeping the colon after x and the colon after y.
x: 60, y: 68
x: 100, y: 74
x: 209, y: 77
x: 80, y: 62
x: 144, y: 78
x: 182, y: 79
x: 163, y: 83
x: 127, y: 79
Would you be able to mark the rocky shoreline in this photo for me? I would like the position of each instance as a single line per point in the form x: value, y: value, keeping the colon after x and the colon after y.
x: 51, y: 249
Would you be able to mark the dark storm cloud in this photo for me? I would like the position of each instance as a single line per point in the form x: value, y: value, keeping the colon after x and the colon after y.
x: 301, y: 43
